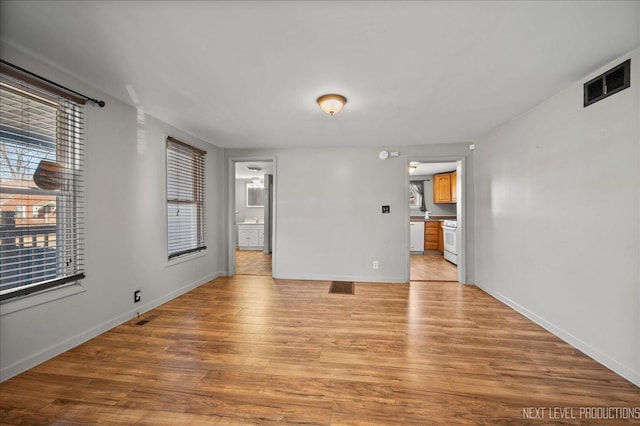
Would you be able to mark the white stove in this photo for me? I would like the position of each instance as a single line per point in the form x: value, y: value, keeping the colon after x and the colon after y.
x: 450, y: 223
x: 450, y: 230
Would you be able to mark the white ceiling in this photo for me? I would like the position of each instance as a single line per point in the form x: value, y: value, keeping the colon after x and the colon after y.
x: 427, y: 169
x: 247, y: 74
x: 242, y: 172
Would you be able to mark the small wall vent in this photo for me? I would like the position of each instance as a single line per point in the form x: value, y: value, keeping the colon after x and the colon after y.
x: 608, y: 83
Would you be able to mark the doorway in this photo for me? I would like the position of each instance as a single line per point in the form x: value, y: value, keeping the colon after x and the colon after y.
x: 436, y: 220
x: 251, y: 221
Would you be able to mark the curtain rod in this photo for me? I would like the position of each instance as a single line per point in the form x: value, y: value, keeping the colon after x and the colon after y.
x: 95, y: 101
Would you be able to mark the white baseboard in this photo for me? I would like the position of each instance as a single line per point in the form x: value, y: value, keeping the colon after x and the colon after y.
x: 617, y: 367
x: 55, y: 350
x: 329, y: 277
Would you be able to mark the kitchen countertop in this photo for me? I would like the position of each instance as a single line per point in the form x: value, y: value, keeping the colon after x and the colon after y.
x: 431, y: 218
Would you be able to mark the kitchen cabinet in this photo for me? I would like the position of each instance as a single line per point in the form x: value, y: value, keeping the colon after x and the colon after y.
x: 416, y: 236
x: 440, y: 237
x: 454, y: 187
x: 251, y: 236
x: 431, y: 235
x: 444, y: 187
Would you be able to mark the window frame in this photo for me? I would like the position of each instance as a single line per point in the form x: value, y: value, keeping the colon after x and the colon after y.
x: 198, y: 199
x: 69, y: 227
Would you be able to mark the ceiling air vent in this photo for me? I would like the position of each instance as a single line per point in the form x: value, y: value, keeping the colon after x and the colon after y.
x: 608, y: 83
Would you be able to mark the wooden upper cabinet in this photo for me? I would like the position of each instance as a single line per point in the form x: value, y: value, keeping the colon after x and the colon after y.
x: 454, y: 186
x: 444, y: 187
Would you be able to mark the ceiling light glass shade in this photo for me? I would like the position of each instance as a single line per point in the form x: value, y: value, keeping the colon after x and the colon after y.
x: 331, y: 103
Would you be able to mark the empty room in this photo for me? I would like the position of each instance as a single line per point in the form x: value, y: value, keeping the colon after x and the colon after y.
x: 319, y: 212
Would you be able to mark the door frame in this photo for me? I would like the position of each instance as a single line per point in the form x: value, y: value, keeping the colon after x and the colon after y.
x: 461, y: 213
x: 231, y: 211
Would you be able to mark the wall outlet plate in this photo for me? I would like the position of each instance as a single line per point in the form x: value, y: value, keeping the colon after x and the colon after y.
x: 386, y: 209
x: 137, y: 296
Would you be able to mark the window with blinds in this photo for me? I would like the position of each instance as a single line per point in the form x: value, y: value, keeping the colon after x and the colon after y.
x: 185, y: 198
x: 41, y: 189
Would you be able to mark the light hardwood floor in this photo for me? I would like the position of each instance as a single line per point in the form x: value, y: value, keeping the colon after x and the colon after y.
x: 253, y: 262
x: 253, y: 350
x: 432, y: 267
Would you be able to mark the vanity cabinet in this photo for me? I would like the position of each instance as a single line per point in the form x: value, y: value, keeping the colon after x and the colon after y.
x: 444, y: 187
x: 251, y: 236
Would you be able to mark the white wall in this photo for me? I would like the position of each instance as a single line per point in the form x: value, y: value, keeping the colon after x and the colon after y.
x: 329, y: 224
x: 557, y: 213
x: 125, y: 233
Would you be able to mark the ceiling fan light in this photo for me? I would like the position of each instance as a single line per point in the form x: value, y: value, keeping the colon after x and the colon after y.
x: 331, y: 103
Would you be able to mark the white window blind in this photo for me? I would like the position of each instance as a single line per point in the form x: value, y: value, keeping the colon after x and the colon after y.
x: 185, y: 198
x: 41, y: 189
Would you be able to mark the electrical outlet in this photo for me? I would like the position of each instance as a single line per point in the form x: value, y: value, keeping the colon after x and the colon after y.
x: 137, y: 296
x: 375, y: 264
x: 386, y: 209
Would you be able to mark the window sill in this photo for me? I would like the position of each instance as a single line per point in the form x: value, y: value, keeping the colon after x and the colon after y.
x: 42, y: 297
x: 184, y: 258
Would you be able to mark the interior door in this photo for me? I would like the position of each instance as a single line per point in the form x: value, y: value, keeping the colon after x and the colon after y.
x: 268, y: 212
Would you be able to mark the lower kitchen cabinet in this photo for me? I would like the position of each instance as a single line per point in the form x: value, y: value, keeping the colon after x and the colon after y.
x: 431, y: 230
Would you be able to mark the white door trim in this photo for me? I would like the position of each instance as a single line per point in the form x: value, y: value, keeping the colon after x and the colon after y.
x: 231, y: 211
x: 460, y: 211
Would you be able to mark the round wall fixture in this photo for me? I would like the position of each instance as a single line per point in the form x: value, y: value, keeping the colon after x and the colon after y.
x: 383, y: 155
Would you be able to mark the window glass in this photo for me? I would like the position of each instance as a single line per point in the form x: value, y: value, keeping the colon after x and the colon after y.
x: 41, y: 189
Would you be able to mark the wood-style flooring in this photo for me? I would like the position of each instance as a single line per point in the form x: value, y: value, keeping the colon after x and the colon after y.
x: 253, y: 262
x: 432, y: 267
x: 253, y: 350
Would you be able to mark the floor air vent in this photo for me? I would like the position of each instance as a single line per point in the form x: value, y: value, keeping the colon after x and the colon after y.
x: 146, y: 320
x: 342, y: 287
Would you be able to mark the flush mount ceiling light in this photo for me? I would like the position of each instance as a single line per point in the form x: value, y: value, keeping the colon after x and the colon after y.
x: 254, y: 168
x: 331, y: 103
